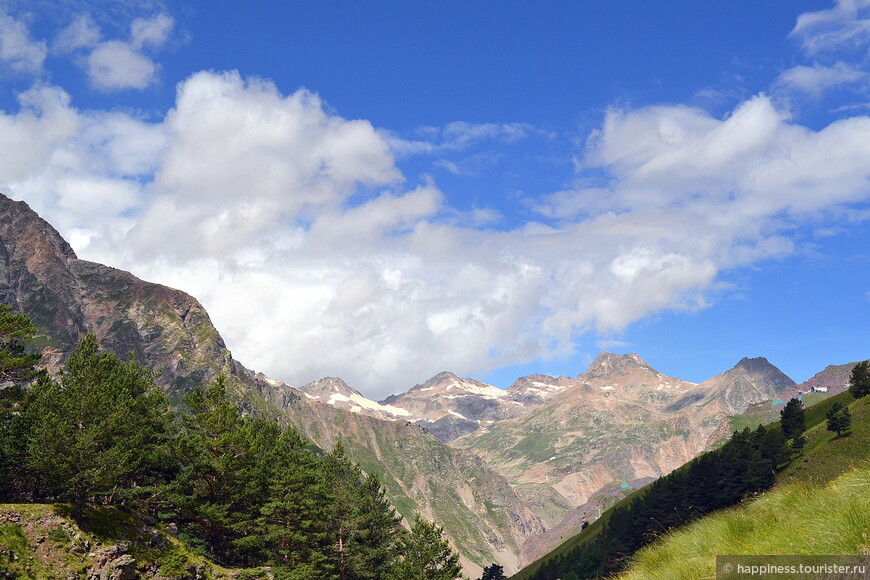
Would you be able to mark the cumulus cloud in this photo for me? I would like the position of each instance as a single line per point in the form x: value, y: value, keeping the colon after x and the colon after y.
x: 18, y: 50
x: 82, y: 32
x: 115, y: 65
x: 315, y: 257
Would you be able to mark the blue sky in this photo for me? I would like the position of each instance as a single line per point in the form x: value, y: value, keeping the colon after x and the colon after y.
x: 381, y: 191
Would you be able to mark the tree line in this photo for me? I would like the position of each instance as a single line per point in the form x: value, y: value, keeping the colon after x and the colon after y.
x: 245, y: 491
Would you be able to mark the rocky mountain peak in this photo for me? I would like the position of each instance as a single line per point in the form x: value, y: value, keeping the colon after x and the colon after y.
x: 762, y: 370
x: 32, y: 234
x: 608, y: 364
x: 328, y: 386
x: 750, y: 381
x: 444, y: 377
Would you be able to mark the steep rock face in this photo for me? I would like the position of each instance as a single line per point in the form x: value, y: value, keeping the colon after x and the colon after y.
x: 610, y: 426
x: 166, y: 329
x: 750, y: 381
x: 170, y: 332
x: 482, y: 515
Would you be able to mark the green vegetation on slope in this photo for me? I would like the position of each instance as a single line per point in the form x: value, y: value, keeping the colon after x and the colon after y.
x: 797, y: 519
x: 825, y: 457
x: 244, y: 491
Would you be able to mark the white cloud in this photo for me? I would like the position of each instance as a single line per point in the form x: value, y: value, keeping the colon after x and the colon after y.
x: 116, y: 65
x: 82, y: 32
x: 845, y: 26
x: 814, y: 80
x: 153, y: 32
x: 296, y: 230
x: 456, y: 136
x: 17, y: 49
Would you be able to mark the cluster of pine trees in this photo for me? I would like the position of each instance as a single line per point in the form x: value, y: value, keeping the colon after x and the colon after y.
x: 247, y: 491
x: 745, y: 465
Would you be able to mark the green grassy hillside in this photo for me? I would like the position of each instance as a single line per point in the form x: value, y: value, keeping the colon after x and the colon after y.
x: 819, y: 506
x: 799, y: 518
x: 828, y: 466
x: 42, y: 541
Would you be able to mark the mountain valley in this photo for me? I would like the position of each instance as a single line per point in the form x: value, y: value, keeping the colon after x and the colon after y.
x: 507, y: 473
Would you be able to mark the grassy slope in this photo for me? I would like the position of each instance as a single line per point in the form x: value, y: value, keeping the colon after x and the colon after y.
x: 42, y: 541
x: 819, y: 506
x: 824, y: 459
x: 799, y: 518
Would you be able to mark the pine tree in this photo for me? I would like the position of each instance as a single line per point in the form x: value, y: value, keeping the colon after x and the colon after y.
x: 220, y: 489
x: 798, y: 444
x: 792, y: 419
x: 103, y: 426
x: 426, y: 555
x: 363, y: 528
x: 773, y: 446
x: 292, y: 521
x: 839, y: 419
x: 493, y: 572
x: 17, y: 370
x: 859, y: 382
x: 17, y: 366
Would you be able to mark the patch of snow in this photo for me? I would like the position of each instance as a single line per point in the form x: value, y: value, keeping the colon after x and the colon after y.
x: 485, y: 391
x: 549, y: 386
x: 455, y: 414
x: 606, y: 388
x: 360, y: 402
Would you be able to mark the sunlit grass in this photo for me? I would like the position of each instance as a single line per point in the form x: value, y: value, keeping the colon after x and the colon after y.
x: 796, y: 519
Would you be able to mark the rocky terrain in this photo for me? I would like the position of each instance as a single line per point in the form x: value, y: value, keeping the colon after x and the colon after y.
x: 171, y: 333
x: 451, y: 407
x: 524, y: 466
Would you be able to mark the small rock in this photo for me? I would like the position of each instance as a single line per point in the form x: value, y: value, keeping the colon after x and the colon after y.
x: 173, y: 530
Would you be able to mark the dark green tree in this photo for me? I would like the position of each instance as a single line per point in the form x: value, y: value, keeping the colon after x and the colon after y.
x: 17, y: 370
x: 798, y: 444
x: 859, y: 382
x: 774, y: 446
x: 839, y: 419
x: 102, y: 427
x: 292, y: 522
x: 426, y: 555
x: 792, y: 419
x: 493, y: 572
x: 17, y: 366
x: 363, y: 528
x: 221, y: 486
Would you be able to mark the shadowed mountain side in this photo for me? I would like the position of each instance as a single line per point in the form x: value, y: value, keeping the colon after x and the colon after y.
x: 171, y: 333
x: 484, y: 517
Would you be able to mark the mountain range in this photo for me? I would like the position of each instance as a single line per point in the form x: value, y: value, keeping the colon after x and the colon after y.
x: 507, y: 473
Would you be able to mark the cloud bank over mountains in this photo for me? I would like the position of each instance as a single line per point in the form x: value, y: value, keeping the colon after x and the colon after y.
x: 317, y: 255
